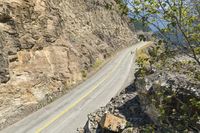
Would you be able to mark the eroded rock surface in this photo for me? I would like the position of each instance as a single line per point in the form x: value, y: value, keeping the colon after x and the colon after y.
x: 46, y: 44
x: 126, y: 106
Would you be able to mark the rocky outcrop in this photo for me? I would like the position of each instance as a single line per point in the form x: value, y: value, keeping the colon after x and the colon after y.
x: 46, y: 44
x: 158, y: 97
x: 124, y: 107
x: 134, y: 104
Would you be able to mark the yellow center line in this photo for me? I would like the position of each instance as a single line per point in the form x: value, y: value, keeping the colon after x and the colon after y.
x: 93, y: 88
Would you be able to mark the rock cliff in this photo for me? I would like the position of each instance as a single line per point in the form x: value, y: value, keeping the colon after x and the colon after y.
x: 46, y: 45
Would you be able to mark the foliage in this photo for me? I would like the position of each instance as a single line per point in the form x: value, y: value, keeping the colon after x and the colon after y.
x: 177, y: 22
x: 148, y: 129
x: 197, y: 75
x: 95, y: 66
x: 122, y: 7
x: 143, y: 60
x: 142, y: 37
x: 97, y: 63
x: 84, y: 73
x: 179, y: 108
x: 197, y: 50
x: 152, y: 54
x: 178, y: 31
x: 139, y: 26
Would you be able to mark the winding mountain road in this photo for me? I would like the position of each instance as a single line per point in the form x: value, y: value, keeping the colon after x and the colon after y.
x: 69, y: 112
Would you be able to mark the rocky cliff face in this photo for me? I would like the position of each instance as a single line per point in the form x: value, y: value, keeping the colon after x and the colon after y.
x: 45, y: 45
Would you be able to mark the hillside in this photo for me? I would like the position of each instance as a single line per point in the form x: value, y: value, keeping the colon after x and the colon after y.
x: 49, y: 45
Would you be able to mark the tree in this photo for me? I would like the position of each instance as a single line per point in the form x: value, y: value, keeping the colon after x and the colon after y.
x: 176, y: 22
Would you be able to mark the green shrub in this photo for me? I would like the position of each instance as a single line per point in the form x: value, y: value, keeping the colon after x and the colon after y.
x: 84, y: 73
x: 123, y: 8
x: 179, y: 112
x: 97, y: 63
x: 179, y: 109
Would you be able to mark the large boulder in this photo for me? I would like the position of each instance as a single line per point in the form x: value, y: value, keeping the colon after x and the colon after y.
x: 113, y: 123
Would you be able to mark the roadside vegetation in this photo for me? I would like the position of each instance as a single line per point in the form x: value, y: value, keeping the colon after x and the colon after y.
x: 97, y: 63
x: 84, y: 73
x: 176, y: 23
x: 175, y: 58
x: 122, y: 7
x: 177, y: 102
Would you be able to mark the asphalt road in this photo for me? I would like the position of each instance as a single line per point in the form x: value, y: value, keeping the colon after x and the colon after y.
x: 69, y: 112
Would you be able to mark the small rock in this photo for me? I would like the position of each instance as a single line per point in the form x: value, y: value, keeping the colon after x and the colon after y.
x: 116, y: 110
x: 130, y: 130
x: 80, y: 130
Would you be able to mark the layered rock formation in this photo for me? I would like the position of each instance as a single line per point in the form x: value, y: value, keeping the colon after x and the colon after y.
x: 45, y: 45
